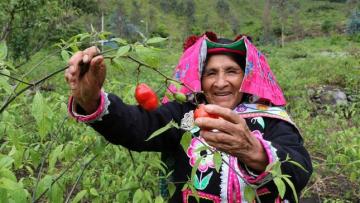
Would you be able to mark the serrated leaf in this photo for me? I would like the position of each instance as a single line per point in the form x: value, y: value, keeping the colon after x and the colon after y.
x: 155, y: 40
x: 94, y: 192
x: 43, y: 185
x: 159, y: 199
x: 138, y: 196
x: 120, y: 41
x: 65, y: 55
x: 288, y: 181
x: 249, y: 193
x: 6, y: 173
x: 79, y: 196
x: 158, y: 132
x: 171, y: 187
x: 217, y: 160
x: 56, y: 193
x: 298, y: 165
x: 186, y: 140
x: 122, y: 51
x: 40, y: 111
x: 276, y: 169
x: 280, y: 186
x: 5, y: 161
x: 54, y: 156
x: 147, y: 196
x: 3, y: 50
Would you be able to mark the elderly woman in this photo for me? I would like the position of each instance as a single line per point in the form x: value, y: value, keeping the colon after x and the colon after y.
x: 238, y: 86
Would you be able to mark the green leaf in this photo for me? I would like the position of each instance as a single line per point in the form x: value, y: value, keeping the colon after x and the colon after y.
x: 54, y: 156
x: 4, y: 81
x: 5, y: 161
x: 186, y: 186
x: 43, y: 185
x: 275, y: 170
x: 158, y: 132
x: 41, y: 113
x: 299, y: 165
x: 280, y: 186
x: 159, y: 199
x: 3, y: 50
x: 94, y: 192
x: 138, y: 196
x: 9, y: 184
x: 120, y: 41
x: 249, y: 193
x: 288, y: 181
x: 19, y: 195
x: 6, y: 173
x: 155, y: 40
x: 147, y: 196
x: 56, y: 193
x: 122, y: 51
x: 217, y: 160
x: 3, y: 195
x: 186, y: 140
x: 65, y: 55
x: 79, y: 196
x: 171, y: 187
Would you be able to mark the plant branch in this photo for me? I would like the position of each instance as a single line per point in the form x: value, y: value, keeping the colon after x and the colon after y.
x: 14, y: 78
x: 66, y: 169
x: 159, y: 72
x: 79, y: 177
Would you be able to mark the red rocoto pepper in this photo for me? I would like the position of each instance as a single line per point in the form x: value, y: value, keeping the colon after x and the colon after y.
x: 146, y: 97
x: 200, y: 112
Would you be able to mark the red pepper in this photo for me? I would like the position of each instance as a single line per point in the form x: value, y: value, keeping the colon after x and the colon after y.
x: 200, y: 112
x: 146, y: 97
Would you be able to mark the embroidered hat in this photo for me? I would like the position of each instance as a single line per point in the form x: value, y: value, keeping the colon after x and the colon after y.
x: 258, y: 79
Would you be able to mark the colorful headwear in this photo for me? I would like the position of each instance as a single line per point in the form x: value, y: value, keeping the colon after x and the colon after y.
x: 258, y: 79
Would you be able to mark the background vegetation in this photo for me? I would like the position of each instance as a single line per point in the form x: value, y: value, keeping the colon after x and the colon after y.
x: 312, y: 46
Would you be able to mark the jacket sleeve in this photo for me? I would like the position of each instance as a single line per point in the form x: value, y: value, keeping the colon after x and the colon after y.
x: 130, y: 125
x: 286, y: 140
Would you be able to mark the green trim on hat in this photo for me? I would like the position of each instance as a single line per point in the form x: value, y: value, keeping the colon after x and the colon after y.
x: 238, y: 45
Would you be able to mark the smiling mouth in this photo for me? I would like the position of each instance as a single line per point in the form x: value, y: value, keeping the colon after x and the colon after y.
x: 222, y: 94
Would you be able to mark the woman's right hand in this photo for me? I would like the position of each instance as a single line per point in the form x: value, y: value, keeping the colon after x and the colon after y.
x: 86, y: 88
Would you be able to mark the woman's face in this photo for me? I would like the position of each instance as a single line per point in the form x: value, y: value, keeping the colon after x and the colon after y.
x: 221, y: 81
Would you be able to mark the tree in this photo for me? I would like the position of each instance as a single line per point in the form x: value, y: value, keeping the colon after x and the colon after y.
x: 267, y: 21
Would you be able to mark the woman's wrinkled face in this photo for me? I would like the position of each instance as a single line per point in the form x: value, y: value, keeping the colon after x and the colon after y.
x: 221, y: 81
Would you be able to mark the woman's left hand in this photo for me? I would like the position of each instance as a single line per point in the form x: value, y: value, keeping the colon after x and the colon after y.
x: 232, y: 136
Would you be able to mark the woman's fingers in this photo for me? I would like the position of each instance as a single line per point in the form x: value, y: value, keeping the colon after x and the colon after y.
x: 214, y: 123
x: 89, y: 53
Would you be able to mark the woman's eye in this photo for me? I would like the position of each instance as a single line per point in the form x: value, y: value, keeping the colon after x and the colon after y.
x: 209, y: 73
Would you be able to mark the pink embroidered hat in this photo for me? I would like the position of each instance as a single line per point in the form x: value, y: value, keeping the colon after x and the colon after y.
x: 258, y: 80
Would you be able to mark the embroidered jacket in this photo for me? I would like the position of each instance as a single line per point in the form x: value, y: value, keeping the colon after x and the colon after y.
x: 130, y: 126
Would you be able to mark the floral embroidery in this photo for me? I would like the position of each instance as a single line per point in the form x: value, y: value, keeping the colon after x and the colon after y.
x: 241, y: 108
x: 187, y: 123
x: 259, y: 120
x: 194, y: 154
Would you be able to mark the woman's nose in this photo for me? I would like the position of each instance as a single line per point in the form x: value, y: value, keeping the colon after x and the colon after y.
x: 221, y: 81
